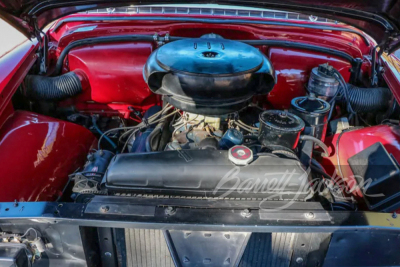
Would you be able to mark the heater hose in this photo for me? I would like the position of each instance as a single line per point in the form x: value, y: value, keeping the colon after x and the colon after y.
x: 370, y: 100
x: 53, y: 88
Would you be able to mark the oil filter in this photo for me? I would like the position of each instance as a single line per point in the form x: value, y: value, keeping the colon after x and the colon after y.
x: 314, y: 112
x: 279, y: 128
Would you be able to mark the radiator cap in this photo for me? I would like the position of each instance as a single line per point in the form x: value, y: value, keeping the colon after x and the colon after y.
x: 240, y: 155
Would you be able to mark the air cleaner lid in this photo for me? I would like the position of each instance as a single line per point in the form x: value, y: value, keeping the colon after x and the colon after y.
x: 281, y: 120
x: 216, y: 56
x: 310, y: 104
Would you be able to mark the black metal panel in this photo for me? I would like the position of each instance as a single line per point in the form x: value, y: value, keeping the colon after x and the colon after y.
x: 120, y: 245
x: 210, y: 215
x: 265, y: 249
x: 310, y: 249
x: 108, y: 251
x: 363, y: 248
x: 207, y: 248
x: 120, y: 209
x: 285, y: 249
x: 174, y: 175
x: 90, y: 245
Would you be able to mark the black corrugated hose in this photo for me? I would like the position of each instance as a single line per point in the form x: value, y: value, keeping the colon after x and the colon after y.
x: 370, y: 100
x: 52, y: 88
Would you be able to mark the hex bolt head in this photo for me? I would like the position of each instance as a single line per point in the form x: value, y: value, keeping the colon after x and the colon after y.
x: 394, y: 215
x: 246, y: 213
x: 170, y: 211
x: 309, y: 215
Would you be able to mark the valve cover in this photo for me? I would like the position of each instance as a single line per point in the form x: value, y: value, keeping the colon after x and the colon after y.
x: 207, y: 173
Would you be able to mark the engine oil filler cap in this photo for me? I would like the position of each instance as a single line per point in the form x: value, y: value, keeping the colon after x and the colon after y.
x: 240, y: 155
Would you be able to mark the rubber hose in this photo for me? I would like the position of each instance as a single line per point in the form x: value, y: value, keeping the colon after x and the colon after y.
x: 53, y: 88
x: 286, y: 153
x: 370, y: 100
x: 316, y: 141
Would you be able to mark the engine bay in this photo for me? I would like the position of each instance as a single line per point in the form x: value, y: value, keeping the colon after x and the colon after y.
x: 214, y: 118
x: 195, y: 133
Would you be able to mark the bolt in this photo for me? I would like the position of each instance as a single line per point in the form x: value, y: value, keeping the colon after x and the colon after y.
x: 246, y: 213
x: 170, y: 211
x: 15, y: 203
x: 310, y: 215
x: 104, y: 209
x: 299, y: 260
x: 394, y: 215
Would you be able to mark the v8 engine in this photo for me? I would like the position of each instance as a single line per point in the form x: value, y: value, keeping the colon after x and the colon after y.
x: 207, y: 128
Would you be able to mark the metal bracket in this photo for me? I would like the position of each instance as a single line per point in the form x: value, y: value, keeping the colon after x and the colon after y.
x: 108, y: 252
x: 161, y: 40
x: 374, y: 73
x: 198, y: 248
x: 43, y: 48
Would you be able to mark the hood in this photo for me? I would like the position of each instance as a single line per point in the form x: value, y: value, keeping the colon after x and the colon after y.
x: 378, y: 18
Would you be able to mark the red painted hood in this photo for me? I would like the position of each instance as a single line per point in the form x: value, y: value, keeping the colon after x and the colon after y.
x: 378, y: 18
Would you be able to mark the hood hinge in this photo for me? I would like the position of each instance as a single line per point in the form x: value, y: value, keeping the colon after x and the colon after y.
x: 377, y: 52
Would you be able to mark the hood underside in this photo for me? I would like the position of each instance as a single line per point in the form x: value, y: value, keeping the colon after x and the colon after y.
x: 378, y: 18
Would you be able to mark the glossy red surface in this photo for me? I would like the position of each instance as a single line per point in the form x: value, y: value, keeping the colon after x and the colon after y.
x: 115, y: 73
x: 293, y: 68
x: 353, y: 142
x: 115, y: 70
x: 37, y: 153
x: 347, y: 42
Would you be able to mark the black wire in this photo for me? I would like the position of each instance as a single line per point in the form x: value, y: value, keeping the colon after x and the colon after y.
x: 286, y: 153
x: 99, y: 173
x: 344, y: 206
x: 321, y: 172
